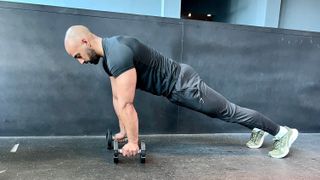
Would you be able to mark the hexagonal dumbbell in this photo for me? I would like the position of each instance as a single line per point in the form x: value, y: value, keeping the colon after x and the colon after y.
x: 110, y: 139
x: 117, y: 152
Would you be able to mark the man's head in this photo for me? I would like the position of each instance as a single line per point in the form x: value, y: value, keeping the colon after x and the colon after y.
x: 81, y: 44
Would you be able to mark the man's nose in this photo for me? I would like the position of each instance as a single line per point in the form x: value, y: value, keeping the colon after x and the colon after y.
x: 81, y: 61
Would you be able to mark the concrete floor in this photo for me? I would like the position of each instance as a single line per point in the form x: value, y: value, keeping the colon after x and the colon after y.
x: 210, y: 156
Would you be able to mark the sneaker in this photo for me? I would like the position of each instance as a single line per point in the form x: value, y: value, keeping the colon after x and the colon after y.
x: 256, y: 139
x: 282, y: 146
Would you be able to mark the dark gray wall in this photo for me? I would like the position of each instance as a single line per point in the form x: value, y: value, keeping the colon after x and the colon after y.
x: 273, y: 71
x: 43, y: 91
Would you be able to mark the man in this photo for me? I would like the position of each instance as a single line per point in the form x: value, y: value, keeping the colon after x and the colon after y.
x: 130, y: 64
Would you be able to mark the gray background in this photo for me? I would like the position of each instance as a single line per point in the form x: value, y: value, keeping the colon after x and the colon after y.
x: 43, y: 91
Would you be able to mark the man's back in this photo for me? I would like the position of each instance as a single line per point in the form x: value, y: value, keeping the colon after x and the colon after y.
x: 156, y: 73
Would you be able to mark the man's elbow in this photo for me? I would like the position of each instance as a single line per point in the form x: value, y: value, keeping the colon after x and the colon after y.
x: 127, y: 107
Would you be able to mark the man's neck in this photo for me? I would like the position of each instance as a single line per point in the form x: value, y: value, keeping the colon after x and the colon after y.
x: 98, y: 46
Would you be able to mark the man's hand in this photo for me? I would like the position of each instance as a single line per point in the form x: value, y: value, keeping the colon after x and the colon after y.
x: 130, y: 149
x: 120, y: 137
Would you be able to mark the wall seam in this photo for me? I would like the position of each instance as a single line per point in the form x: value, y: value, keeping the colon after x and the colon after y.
x: 181, y: 58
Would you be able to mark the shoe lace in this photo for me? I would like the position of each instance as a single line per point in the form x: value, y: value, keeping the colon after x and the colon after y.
x: 254, y: 136
x: 277, y: 143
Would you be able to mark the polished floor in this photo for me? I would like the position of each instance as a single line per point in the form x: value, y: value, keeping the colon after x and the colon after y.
x: 195, y: 157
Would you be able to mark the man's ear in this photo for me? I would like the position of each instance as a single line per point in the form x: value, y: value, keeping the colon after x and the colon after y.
x: 84, y: 41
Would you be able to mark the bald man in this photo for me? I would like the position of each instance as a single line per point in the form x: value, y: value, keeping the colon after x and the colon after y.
x: 133, y: 65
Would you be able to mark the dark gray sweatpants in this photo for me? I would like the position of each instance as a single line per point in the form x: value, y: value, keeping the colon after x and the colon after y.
x: 190, y: 91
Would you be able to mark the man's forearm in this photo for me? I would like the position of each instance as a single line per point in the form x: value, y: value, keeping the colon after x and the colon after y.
x: 129, y: 118
x: 122, y: 128
x: 116, y: 109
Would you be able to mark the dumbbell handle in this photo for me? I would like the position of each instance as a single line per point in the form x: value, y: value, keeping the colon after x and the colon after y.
x: 120, y: 151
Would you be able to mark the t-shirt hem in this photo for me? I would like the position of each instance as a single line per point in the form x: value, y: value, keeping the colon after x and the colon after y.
x: 117, y: 73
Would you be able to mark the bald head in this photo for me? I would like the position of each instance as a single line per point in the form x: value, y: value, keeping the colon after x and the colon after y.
x: 75, y: 34
x: 82, y: 44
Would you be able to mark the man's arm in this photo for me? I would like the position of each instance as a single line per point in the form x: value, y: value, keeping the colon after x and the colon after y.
x: 123, y: 88
x: 116, y: 109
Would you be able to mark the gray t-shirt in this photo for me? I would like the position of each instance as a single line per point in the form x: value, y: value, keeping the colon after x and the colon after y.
x: 156, y: 73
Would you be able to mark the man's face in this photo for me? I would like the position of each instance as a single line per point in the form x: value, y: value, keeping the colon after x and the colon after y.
x: 85, y: 54
x: 93, y: 56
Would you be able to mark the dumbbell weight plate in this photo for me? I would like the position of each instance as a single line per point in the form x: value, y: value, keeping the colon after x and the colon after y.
x: 116, y: 159
x: 143, y: 152
x: 116, y: 152
x: 109, y: 139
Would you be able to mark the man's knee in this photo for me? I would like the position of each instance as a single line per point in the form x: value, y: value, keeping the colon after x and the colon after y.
x: 236, y: 114
x: 228, y: 112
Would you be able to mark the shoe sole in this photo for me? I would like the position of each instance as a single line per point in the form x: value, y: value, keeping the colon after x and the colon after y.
x: 295, y: 134
x: 293, y: 138
x: 261, y: 142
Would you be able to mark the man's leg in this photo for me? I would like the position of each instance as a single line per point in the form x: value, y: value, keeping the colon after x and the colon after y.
x: 191, y: 92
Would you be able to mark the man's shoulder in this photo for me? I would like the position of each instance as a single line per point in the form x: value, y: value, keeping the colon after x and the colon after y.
x: 121, y: 37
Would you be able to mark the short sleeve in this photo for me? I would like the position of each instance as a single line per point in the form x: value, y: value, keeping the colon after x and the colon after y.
x: 120, y: 59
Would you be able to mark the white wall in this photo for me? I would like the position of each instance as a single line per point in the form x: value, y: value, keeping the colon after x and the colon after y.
x: 172, y: 8
x: 249, y: 12
x: 288, y: 14
x: 300, y: 15
x: 254, y: 12
x: 272, y: 13
x: 165, y: 8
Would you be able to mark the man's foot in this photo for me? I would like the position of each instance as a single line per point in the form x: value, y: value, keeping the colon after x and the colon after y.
x: 256, y: 139
x: 282, y: 146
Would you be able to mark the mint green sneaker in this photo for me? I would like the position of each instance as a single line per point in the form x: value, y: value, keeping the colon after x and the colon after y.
x: 282, y: 146
x: 256, y: 139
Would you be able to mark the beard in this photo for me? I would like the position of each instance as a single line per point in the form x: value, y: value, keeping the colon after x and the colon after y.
x: 93, y: 56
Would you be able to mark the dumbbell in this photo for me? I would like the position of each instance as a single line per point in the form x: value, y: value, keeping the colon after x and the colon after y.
x: 109, y: 138
x: 117, y: 151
